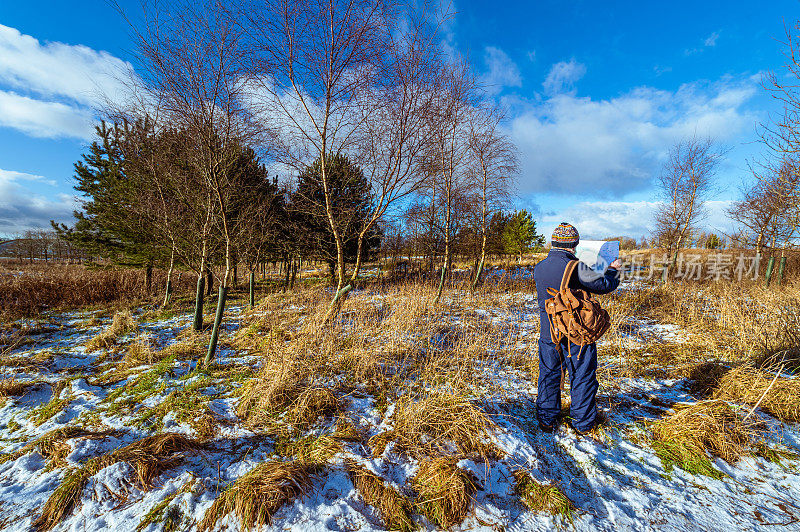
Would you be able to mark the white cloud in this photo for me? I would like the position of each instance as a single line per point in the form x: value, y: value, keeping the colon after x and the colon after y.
x: 602, y: 219
x: 22, y: 209
x: 51, y: 88
x: 501, y: 71
x: 708, y: 42
x: 579, y: 145
x: 56, y: 69
x: 563, y: 76
x: 711, y: 40
x: 39, y: 118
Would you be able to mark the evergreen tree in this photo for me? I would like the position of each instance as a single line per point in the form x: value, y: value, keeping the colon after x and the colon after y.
x: 106, y: 225
x: 713, y: 241
x: 351, y: 203
x: 519, y: 234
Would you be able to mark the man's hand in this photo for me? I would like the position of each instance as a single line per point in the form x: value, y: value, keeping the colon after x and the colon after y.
x: 617, y: 264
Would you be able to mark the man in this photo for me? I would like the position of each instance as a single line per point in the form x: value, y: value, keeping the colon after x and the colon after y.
x: 582, y: 369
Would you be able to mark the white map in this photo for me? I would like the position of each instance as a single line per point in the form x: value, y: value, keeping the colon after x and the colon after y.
x: 597, y: 254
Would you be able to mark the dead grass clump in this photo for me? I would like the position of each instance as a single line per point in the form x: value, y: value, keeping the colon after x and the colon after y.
x: 153, y: 455
x: 684, y: 437
x: 779, y: 397
x: 310, y: 405
x: 317, y: 449
x: 540, y: 497
x: 394, y: 507
x: 445, y: 492
x: 255, y: 497
x: 440, y: 424
x: 188, y: 349
x: 283, y: 386
x: 704, y: 378
x: 53, y: 446
x: 11, y: 387
x: 149, y: 457
x: 122, y: 324
x: 275, y: 387
x: 141, y: 352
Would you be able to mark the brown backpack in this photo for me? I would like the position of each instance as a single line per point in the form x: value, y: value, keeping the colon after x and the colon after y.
x: 574, y: 314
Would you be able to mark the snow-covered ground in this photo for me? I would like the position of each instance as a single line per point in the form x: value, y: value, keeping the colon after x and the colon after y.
x: 615, y: 484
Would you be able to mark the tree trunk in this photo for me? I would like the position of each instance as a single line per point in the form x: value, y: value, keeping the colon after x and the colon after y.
x: 293, y: 271
x: 198, y: 303
x: 288, y: 273
x: 212, y: 344
x: 168, y: 291
x: 209, y: 282
x: 223, y: 290
x: 252, y: 289
x: 148, y: 278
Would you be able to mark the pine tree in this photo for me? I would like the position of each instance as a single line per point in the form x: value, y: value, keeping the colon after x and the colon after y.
x: 351, y: 204
x: 519, y: 235
x: 106, y: 225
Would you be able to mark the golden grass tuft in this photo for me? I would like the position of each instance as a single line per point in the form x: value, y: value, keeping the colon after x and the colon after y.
x: 394, y: 507
x: 747, y: 384
x: 683, y: 437
x: 149, y: 457
x: 440, y: 423
x: 256, y: 496
x: 53, y: 446
x: 12, y: 387
x: 122, y: 324
x: 445, y: 492
x: 141, y: 352
x: 282, y: 386
x: 316, y: 449
x: 704, y: 378
x: 540, y: 497
x: 311, y: 404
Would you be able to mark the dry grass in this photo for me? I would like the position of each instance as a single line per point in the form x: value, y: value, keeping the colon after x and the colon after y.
x: 685, y: 436
x: 53, y: 445
x: 283, y: 387
x: 256, y: 496
x: 441, y: 424
x: 11, y: 387
x: 395, y: 509
x: 141, y: 352
x: 445, y: 492
x: 747, y: 384
x: 149, y: 457
x: 540, y: 497
x: 123, y: 323
x: 28, y: 290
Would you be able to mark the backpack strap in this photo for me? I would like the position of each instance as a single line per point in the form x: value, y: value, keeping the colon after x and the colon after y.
x: 567, y: 274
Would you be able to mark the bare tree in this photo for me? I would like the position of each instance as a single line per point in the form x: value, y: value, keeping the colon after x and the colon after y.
x: 191, y: 57
x: 311, y: 62
x: 343, y: 77
x: 494, y: 164
x: 447, y: 157
x: 685, y: 184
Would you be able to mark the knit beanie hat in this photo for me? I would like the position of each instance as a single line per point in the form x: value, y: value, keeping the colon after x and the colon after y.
x: 565, y: 236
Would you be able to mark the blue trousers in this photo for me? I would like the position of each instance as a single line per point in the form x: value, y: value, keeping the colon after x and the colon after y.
x: 583, y: 381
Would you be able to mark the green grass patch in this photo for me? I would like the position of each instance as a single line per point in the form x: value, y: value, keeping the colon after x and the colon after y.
x: 540, y: 497
x: 673, y: 453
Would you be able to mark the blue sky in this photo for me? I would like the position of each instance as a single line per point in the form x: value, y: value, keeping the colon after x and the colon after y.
x: 596, y: 94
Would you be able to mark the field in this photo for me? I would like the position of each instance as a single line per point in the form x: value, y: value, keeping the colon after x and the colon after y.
x: 402, y: 414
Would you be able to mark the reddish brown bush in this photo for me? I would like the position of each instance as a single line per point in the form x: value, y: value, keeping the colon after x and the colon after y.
x: 28, y: 290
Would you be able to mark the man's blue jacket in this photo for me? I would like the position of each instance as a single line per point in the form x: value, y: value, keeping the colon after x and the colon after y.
x: 582, y: 364
x: 548, y: 274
